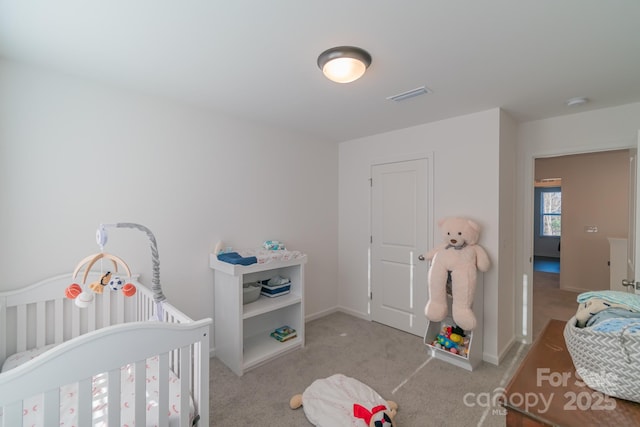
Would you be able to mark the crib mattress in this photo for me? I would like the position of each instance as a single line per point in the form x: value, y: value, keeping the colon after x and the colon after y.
x: 69, y: 400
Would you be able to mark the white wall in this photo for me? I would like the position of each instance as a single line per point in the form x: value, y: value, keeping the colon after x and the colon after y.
x: 73, y: 155
x: 466, y: 183
x: 596, y: 130
x: 505, y: 315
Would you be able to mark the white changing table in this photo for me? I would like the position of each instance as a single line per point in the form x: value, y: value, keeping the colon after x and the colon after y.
x: 242, y: 339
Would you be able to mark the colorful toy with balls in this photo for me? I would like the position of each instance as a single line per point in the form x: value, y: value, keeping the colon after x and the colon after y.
x: 453, y: 340
x: 84, y: 297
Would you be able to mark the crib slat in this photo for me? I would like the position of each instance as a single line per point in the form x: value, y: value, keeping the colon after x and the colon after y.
x: 75, y: 321
x: 196, y: 377
x: 51, y: 407
x: 91, y: 315
x: 185, y: 358
x: 85, y: 402
x: 120, y: 308
x: 163, y: 390
x: 57, y: 324
x: 201, y: 392
x: 21, y: 316
x: 106, y: 309
x: 12, y: 415
x: 113, y: 397
x: 3, y: 336
x: 140, y: 387
x: 41, y: 328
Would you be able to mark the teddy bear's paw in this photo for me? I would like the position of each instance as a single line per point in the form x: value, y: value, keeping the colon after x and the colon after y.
x: 464, y: 318
x: 296, y: 401
x: 435, y: 312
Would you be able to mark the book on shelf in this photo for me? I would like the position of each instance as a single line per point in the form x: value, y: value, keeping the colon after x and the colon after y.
x: 275, y: 282
x: 284, y: 333
x: 270, y: 295
x: 271, y: 289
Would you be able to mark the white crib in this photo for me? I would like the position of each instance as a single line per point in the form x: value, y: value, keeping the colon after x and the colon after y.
x: 113, y: 334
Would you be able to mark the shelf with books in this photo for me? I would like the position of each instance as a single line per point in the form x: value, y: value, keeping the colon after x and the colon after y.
x: 242, y: 331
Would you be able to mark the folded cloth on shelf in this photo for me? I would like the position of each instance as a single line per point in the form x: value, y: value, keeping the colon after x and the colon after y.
x: 277, y: 281
x: 236, y: 258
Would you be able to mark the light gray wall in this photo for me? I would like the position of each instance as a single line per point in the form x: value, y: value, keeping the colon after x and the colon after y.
x: 73, y: 155
x: 466, y: 161
x: 505, y: 316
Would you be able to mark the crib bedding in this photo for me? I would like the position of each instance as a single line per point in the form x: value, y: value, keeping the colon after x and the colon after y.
x: 68, y: 395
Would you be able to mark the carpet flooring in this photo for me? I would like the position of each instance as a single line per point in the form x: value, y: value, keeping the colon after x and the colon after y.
x: 549, y: 301
x: 429, y: 392
x: 396, y: 364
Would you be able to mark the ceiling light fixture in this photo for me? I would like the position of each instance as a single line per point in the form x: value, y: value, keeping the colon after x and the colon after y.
x: 577, y: 101
x: 344, y: 64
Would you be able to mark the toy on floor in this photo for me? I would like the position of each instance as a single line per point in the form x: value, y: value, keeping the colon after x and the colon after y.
x: 83, y: 297
x: 461, y: 256
x: 339, y: 400
x: 453, y: 340
x: 343, y: 401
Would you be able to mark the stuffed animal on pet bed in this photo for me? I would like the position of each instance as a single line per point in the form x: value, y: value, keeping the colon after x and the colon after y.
x: 341, y: 401
x: 461, y: 256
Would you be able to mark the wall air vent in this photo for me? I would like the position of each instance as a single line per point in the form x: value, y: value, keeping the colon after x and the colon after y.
x: 410, y: 94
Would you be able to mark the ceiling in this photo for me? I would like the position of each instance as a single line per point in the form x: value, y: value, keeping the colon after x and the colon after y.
x: 256, y: 59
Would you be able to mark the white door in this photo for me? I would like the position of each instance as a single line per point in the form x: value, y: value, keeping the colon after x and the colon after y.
x: 399, y: 221
x: 634, y: 228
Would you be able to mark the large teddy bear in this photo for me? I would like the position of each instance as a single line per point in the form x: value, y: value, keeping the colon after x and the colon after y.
x: 461, y: 256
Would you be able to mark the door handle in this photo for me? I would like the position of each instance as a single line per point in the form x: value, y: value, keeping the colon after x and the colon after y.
x: 421, y: 257
x: 628, y: 283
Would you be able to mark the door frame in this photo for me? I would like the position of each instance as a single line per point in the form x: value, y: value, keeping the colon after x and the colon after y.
x: 429, y: 157
x: 524, y: 286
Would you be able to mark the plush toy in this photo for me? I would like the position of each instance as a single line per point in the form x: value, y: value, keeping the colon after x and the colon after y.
x: 343, y: 401
x: 459, y: 256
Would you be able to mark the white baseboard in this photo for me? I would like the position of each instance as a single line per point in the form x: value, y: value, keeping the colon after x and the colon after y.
x: 320, y: 314
x: 337, y: 309
x: 571, y: 289
x: 354, y: 313
x: 496, y: 360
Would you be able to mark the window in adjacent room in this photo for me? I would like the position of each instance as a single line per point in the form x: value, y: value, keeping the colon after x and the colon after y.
x: 550, y: 212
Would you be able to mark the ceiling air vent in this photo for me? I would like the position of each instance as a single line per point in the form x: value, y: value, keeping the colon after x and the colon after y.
x: 410, y: 94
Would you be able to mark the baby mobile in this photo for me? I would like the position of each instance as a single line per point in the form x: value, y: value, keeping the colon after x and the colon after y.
x: 84, y: 297
x: 83, y: 294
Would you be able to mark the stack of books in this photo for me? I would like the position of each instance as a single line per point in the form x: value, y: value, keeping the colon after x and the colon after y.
x: 284, y: 333
x: 275, y: 287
